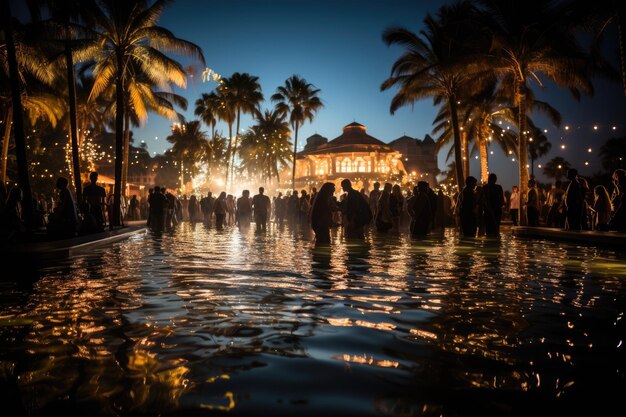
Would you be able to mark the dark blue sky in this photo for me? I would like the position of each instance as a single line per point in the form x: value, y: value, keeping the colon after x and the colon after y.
x: 338, y: 47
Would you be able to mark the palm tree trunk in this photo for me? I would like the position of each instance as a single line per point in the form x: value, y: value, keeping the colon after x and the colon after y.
x: 119, y: 142
x: 18, y: 121
x: 295, y: 151
x: 523, y: 150
x: 232, y: 165
x: 71, y: 90
x: 8, y: 115
x: 532, y: 167
x: 230, y: 148
x: 457, y: 142
x: 484, y: 159
x: 466, y: 161
x: 126, y: 151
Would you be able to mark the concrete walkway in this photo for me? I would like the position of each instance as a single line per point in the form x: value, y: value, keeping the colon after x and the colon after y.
x: 63, y: 248
x: 614, y: 239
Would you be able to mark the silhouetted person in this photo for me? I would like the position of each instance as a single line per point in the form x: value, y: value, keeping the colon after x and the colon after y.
x: 261, y: 206
x: 573, y: 202
x: 322, y: 213
x: 601, y: 208
x: 95, y: 196
x: 533, y: 204
x: 88, y: 222
x: 467, y: 208
x: 356, y: 210
x: 373, y: 198
x: 63, y: 222
x: 514, y: 205
x: 158, y: 208
x: 193, y: 209
x: 384, y: 215
x: 492, y: 202
x: 206, y: 207
x: 618, y: 221
x: 244, y: 210
x: 220, y: 209
x: 420, y: 210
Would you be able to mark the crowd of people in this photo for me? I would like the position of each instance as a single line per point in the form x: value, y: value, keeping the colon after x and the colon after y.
x: 477, y: 209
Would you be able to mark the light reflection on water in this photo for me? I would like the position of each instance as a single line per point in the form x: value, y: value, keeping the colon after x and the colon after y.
x: 201, y: 320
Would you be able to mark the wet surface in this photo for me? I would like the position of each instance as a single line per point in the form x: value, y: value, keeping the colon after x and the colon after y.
x: 200, y: 322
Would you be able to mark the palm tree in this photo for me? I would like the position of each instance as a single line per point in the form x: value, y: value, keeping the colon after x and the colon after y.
x: 128, y: 32
x: 299, y: 99
x: 529, y: 40
x: 226, y: 113
x: 596, y: 17
x: 266, y: 147
x: 19, y: 58
x: 435, y: 65
x: 190, y: 146
x: 538, y: 146
x: 207, y: 108
x: 556, y: 168
x: 243, y: 94
x: 613, y: 154
x: 64, y: 14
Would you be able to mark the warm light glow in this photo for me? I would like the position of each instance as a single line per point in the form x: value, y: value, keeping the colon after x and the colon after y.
x: 562, y: 146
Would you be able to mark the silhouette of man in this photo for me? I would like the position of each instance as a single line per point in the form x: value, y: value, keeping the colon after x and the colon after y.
x: 261, y: 207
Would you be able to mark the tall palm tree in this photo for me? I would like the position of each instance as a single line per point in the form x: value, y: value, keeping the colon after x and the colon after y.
x: 244, y: 95
x: 190, y: 146
x: 226, y: 113
x: 435, y: 64
x: 300, y: 100
x: 64, y: 13
x: 266, y: 147
x: 128, y: 32
x: 19, y: 58
x: 531, y: 40
x: 207, y: 108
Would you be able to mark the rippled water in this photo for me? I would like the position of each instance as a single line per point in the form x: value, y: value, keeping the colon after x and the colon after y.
x: 200, y: 322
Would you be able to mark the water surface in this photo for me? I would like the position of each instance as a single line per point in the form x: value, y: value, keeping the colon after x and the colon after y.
x: 204, y: 322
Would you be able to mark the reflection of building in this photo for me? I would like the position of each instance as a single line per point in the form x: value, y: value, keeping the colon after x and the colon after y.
x: 419, y: 157
x: 354, y: 155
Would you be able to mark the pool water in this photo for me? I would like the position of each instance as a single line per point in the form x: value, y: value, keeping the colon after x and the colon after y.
x: 206, y: 322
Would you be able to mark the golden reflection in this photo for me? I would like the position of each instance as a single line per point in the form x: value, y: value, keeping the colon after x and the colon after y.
x: 346, y: 322
x: 367, y: 360
x: 424, y: 334
x: 221, y: 407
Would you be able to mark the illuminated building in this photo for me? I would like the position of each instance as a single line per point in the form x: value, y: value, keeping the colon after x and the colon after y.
x: 419, y: 158
x: 364, y: 159
x: 354, y: 155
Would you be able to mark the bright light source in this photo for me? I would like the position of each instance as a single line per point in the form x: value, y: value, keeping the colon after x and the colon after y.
x: 539, y: 166
x: 589, y: 150
x: 595, y: 128
x: 566, y: 127
x: 562, y: 146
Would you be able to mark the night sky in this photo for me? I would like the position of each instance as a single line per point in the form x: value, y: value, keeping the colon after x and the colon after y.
x: 338, y: 47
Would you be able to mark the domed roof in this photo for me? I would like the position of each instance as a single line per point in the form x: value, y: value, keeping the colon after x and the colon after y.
x: 353, y: 139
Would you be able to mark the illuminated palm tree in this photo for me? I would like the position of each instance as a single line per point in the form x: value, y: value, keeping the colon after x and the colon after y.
x: 207, y: 108
x: 266, y: 148
x: 435, y: 64
x: 64, y: 14
x: 530, y: 40
x: 19, y: 62
x: 243, y: 95
x: 298, y: 99
x: 128, y: 32
x: 190, y: 146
